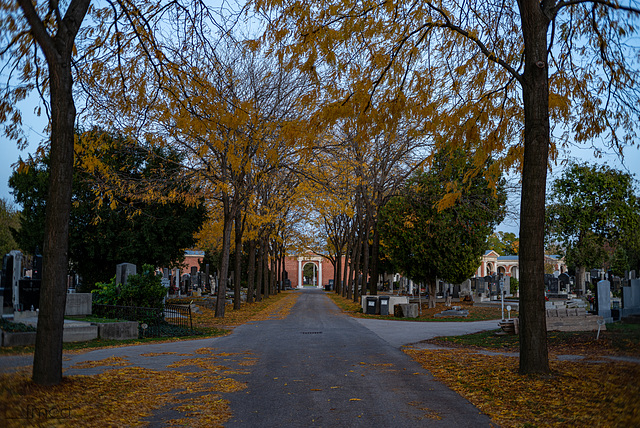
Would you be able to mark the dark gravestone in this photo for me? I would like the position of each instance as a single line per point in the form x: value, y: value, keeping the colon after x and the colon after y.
x: 564, y: 280
x: 6, y: 289
x: 37, y: 267
x: 29, y: 294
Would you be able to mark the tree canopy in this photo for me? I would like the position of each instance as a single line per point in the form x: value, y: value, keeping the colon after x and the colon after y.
x: 108, y: 226
x: 9, y: 224
x: 504, y: 243
x: 425, y: 241
x: 590, y: 210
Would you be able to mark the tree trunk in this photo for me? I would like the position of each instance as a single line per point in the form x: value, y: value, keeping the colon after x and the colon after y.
x: 535, y: 92
x: 274, y: 270
x: 580, y: 279
x: 251, y: 271
x: 345, y: 274
x: 47, y: 364
x: 337, y: 272
x: 47, y: 361
x: 224, y: 263
x: 265, y: 268
x: 365, y: 259
x: 237, y: 277
x: 355, y: 269
x: 259, y: 272
x: 374, y: 277
x: 433, y: 286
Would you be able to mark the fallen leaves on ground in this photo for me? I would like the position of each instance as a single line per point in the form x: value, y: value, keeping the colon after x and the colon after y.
x: 124, y: 396
x: 111, y: 361
x: 273, y: 307
x: 156, y: 354
x: 577, y: 394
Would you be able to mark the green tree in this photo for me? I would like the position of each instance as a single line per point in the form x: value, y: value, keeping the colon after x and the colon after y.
x: 426, y: 242
x: 103, y: 233
x: 9, y: 224
x: 589, y: 209
x: 503, y: 243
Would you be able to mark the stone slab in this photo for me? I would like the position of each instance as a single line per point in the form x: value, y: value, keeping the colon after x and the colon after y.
x: 409, y: 310
x: 78, y: 304
x: 118, y: 330
x: 574, y: 323
x: 18, y: 338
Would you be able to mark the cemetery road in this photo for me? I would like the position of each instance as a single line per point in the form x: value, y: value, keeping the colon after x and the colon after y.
x: 320, y: 367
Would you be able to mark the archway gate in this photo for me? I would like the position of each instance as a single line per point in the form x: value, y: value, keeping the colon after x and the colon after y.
x: 302, y: 261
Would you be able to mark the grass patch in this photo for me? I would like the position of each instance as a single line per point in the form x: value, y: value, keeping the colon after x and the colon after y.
x: 617, y: 339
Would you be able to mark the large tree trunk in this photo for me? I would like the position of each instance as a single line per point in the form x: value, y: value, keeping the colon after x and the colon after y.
x: 47, y: 362
x: 251, y: 271
x: 535, y: 92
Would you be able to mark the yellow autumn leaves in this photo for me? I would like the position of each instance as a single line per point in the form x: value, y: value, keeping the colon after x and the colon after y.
x: 127, y: 397
x: 584, y: 393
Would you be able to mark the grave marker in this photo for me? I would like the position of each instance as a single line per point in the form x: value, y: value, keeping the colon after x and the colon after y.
x: 123, y: 270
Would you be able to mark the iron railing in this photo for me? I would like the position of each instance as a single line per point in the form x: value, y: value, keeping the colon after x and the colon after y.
x: 172, y: 320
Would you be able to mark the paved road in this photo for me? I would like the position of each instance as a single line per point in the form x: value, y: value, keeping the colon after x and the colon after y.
x: 320, y: 367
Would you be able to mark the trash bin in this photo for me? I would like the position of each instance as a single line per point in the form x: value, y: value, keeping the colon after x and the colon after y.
x: 372, y: 302
x: 383, y: 301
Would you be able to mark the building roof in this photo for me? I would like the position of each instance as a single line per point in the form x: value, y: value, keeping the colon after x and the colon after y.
x: 194, y: 253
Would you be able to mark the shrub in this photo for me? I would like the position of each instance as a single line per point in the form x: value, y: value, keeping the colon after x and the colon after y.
x: 143, y: 290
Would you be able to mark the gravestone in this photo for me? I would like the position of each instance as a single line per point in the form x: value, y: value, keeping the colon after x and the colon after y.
x: 565, y: 281
x: 635, y: 289
x: 165, y: 281
x: 15, y: 278
x: 123, y: 270
x: 631, y: 298
x: 604, y: 300
x: 6, y: 281
x: 551, y: 283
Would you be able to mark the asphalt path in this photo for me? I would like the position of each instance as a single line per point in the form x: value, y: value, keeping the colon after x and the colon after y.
x: 317, y: 367
x: 320, y: 367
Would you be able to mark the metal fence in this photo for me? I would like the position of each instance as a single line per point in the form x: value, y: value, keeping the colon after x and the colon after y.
x: 173, y: 320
